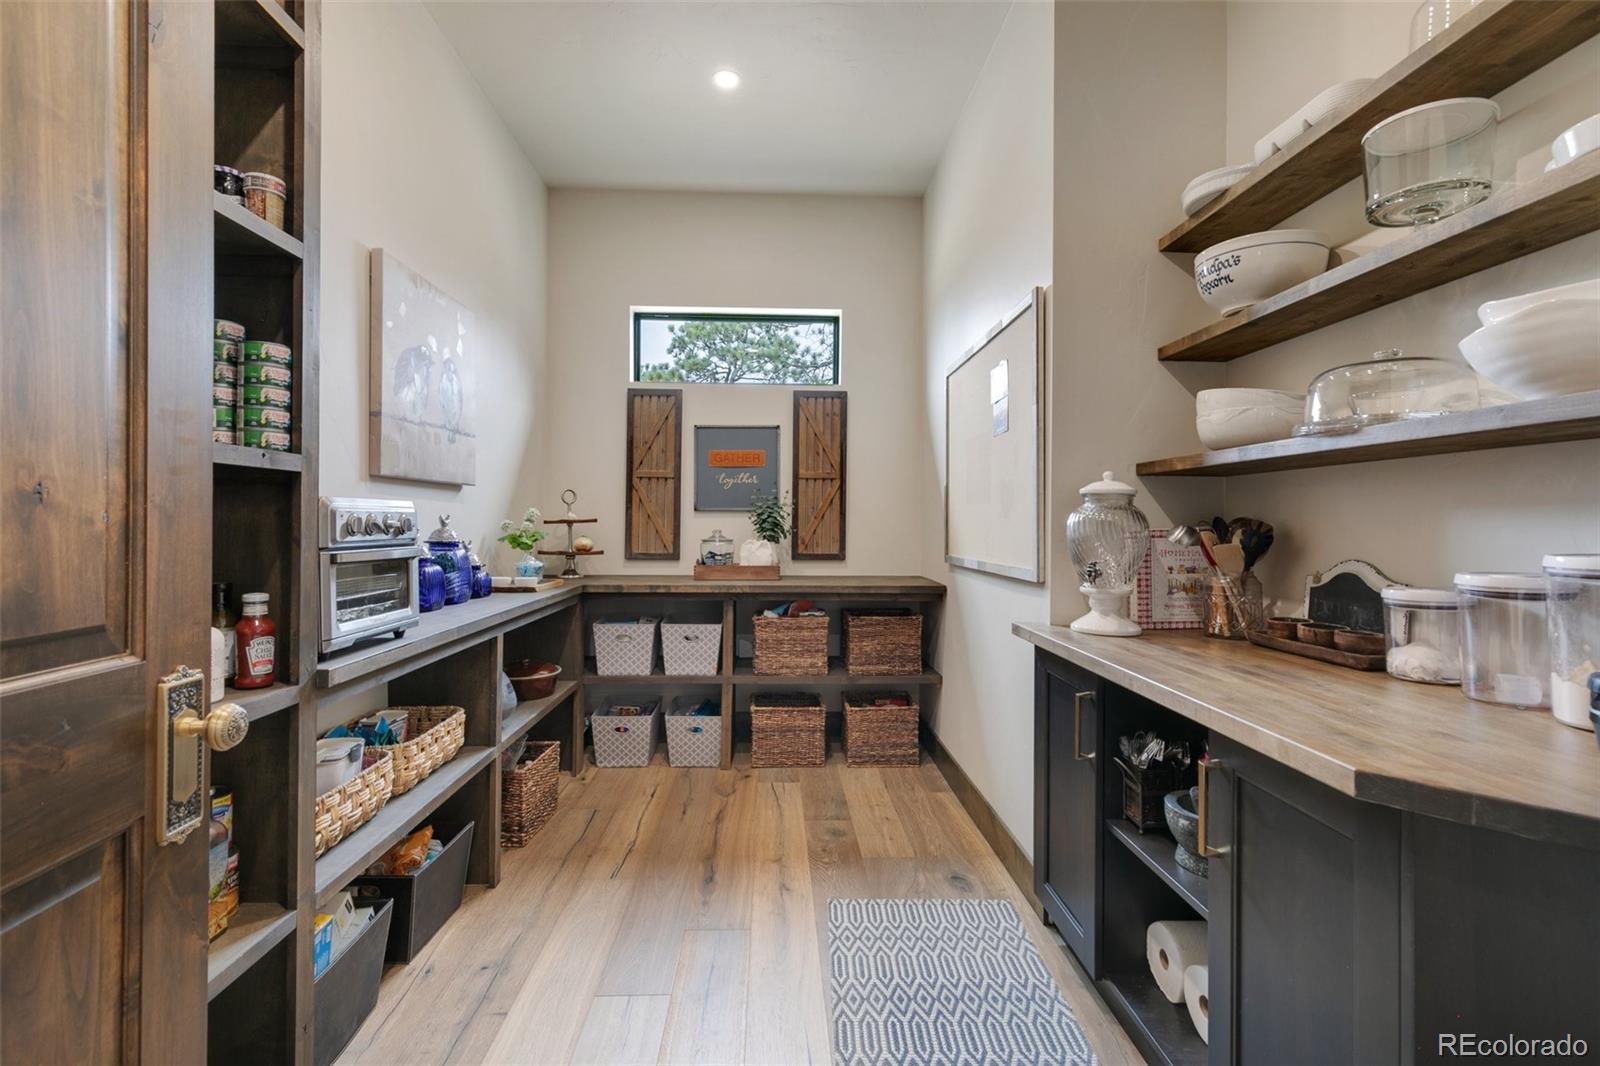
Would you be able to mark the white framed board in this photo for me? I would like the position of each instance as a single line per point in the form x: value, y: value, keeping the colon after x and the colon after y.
x: 994, y: 449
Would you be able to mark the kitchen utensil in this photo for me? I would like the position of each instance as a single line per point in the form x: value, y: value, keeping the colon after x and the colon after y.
x: 368, y: 581
x: 1578, y: 139
x: 1430, y: 161
x: 1422, y: 634
x: 1210, y: 185
x: 1390, y: 387
x: 1108, y: 538
x: 1505, y: 638
x: 533, y: 680
x: 1574, y: 619
x: 1237, y: 273
x: 1233, y: 418
x: 1544, y: 348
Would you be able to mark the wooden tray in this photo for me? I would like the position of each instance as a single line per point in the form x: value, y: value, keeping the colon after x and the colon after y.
x: 1350, y: 659
x: 544, y: 586
x: 703, y: 572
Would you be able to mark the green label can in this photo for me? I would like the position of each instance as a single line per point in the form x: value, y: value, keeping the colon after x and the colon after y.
x: 267, y: 352
x: 222, y: 416
x: 268, y: 374
x: 224, y: 373
x: 225, y: 350
x: 229, y: 331
x: 265, y: 418
x: 276, y: 440
x: 267, y: 396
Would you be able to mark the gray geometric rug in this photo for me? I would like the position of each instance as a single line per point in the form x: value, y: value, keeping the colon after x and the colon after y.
x: 944, y: 982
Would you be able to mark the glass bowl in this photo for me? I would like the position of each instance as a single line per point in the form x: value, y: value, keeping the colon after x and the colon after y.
x: 1390, y: 387
x: 1429, y: 162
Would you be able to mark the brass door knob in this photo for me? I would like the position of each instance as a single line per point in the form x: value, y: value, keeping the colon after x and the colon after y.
x: 223, y: 727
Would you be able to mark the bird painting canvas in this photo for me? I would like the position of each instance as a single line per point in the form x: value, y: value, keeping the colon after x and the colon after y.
x: 422, y: 385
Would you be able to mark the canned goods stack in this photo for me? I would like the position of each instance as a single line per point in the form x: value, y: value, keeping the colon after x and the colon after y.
x: 226, y: 353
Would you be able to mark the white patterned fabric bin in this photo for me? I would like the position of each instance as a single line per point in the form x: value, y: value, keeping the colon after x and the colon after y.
x: 690, y: 649
x: 693, y: 740
x: 625, y: 648
x: 626, y: 739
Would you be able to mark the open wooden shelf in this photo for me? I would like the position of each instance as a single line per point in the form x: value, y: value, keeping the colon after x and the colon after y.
x: 258, y: 24
x: 1563, y: 418
x: 1487, y: 50
x: 1155, y: 850
x: 238, y: 232
x: 399, y: 816
x: 1514, y: 221
x: 530, y: 713
x: 837, y: 675
x: 254, y: 930
x: 260, y: 702
x: 257, y: 458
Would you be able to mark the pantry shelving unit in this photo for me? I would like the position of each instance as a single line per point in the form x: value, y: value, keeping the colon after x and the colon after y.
x: 266, y: 98
x: 1488, y: 49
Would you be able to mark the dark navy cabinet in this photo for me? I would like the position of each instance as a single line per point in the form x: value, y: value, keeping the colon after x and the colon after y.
x: 1067, y: 806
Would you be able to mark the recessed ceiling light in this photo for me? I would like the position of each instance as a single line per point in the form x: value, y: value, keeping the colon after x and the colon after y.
x: 725, y: 80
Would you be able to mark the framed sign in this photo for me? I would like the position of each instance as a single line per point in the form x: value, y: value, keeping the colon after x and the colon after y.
x: 733, y: 465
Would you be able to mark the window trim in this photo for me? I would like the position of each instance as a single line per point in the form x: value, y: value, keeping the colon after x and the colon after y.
x: 717, y: 314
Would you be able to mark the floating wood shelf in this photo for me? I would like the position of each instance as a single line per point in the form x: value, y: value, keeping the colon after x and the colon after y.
x: 744, y: 674
x: 1156, y: 850
x: 241, y: 233
x: 257, y: 458
x: 1563, y: 418
x: 260, y: 702
x: 530, y: 713
x: 1487, y: 50
x: 1514, y: 221
x: 254, y: 930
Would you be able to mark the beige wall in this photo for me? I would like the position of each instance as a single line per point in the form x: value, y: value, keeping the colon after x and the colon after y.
x: 611, y: 251
x: 416, y: 162
x: 986, y: 235
x: 1420, y: 519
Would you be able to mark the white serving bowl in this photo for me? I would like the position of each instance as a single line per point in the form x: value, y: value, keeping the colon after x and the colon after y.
x: 1580, y: 139
x: 1246, y: 270
x: 1232, y: 418
x: 1495, y: 310
x: 1547, y: 349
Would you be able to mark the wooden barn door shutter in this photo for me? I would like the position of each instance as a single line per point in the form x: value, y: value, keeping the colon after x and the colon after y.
x: 655, y: 458
x: 819, y: 461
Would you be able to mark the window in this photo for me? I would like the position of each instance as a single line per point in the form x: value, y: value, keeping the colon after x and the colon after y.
x: 736, y: 347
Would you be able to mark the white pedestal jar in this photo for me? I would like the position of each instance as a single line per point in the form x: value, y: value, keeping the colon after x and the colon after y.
x: 1108, y: 538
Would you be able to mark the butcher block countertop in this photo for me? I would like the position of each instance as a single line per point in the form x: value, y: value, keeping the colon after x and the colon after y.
x: 1425, y: 748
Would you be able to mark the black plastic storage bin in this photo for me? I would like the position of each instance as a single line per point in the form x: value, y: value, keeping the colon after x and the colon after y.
x: 425, y: 900
x: 348, y: 989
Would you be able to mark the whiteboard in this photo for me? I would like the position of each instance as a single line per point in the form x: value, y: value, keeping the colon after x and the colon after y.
x: 994, y: 449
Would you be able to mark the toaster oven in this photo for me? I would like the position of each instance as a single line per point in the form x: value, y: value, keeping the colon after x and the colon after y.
x: 367, y: 570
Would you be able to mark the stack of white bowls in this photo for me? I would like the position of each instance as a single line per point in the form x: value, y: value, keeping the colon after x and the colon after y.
x: 1541, y: 344
x: 1232, y: 418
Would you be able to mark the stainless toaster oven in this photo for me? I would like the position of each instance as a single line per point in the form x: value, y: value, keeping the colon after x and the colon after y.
x: 367, y: 567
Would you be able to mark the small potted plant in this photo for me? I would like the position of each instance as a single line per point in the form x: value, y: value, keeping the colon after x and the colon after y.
x: 525, y: 537
x: 772, y: 517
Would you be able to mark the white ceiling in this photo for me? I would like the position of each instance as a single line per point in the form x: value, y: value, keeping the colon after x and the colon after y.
x: 851, y: 97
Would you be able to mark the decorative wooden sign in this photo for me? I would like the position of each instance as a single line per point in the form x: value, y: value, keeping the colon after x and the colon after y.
x: 819, y: 463
x: 655, y: 469
x: 734, y: 466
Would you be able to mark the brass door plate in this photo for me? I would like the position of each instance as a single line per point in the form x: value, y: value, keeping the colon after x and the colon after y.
x: 181, y: 760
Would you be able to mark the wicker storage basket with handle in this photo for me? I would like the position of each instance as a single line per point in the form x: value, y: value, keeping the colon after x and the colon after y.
x: 528, y: 793
x: 793, y: 645
x: 883, y: 642
x: 788, y: 729
x: 880, y: 729
x: 437, y: 733
x: 341, y: 811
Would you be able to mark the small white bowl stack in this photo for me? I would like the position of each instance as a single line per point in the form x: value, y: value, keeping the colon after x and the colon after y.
x: 1540, y: 344
x: 1233, y: 418
x: 1577, y: 140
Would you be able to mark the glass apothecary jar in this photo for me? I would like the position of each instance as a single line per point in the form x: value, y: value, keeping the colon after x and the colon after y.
x: 1430, y: 161
x: 717, y: 549
x: 1108, y: 537
x: 1422, y: 634
x: 1573, y: 582
x: 1222, y: 619
x: 1505, y: 638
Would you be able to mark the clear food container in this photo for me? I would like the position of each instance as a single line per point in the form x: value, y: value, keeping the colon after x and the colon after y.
x: 1505, y: 639
x: 1422, y: 634
x: 1389, y: 387
x: 1430, y: 161
x: 1573, y: 582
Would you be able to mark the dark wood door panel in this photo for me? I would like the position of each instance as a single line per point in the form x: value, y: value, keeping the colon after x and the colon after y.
x: 65, y: 134
x: 71, y: 924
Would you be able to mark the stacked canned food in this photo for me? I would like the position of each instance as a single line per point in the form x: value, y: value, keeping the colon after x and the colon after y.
x: 252, y: 390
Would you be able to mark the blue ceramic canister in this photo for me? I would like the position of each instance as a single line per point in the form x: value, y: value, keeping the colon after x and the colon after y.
x: 450, y: 553
x: 430, y: 584
x: 482, y: 584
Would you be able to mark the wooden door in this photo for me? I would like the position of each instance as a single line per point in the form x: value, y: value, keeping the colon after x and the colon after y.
x: 819, y: 465
x: 1303, y: 944
x: 105, y: 241
x: 1067, y: 804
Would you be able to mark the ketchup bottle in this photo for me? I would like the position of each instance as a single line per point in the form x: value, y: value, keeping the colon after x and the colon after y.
x: 255, y: 644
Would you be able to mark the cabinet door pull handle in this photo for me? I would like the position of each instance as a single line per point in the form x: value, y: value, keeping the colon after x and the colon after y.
x: 1078, y: 699
x: 1206, y: 849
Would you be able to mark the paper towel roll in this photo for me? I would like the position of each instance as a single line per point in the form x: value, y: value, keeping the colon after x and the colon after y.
x: 1196, y: 986
x: 1169, y: 947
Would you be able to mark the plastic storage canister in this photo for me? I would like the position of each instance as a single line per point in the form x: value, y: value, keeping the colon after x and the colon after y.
x: 1422, y: 634
x: 1505, y: 642
x: 1574, y: 586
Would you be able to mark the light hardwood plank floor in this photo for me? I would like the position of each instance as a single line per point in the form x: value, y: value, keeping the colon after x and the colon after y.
x: 680, y: 916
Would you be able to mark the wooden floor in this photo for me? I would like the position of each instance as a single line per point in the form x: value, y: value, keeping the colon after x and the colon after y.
x: 680, y: 916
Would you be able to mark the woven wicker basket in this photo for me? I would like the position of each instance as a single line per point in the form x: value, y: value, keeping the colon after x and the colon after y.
x: 791, y: 646
x: 876, y: 735
x: 437, y: 734
x: 528, y: 793
x: 883, y: 642
x: 341, y: 811
x: 788, y: 729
